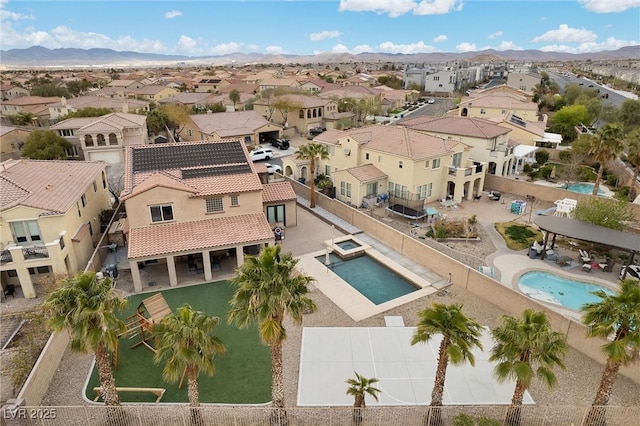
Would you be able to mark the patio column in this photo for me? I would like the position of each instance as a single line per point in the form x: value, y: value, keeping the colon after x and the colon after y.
x: 239, y: 256
x: 206, y: 263
x: 25, y: 282
x: 171, y: 266
x: 135, y: 275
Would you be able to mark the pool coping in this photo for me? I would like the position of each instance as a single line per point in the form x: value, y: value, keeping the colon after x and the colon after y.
x: 350, y: 300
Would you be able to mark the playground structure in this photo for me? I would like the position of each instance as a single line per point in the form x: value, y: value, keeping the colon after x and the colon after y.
x: 149, y: 312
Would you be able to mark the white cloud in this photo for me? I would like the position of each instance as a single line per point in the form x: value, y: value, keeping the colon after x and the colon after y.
x: 495, y: 35
x: 186, y: 45
x: 362, y: 48
x: 340, y: 48
x: 226, y: 48
x: 508, y: 45
x: 609, y: 6
x: 564, y: 34
x: 323, y: 35
x: 172, y: 14
x: 419, y: 47
x: 274, y: 50
x: 610, y: 44
x: 466, y: 47
x: 395, y: 8
x: 440, y: 38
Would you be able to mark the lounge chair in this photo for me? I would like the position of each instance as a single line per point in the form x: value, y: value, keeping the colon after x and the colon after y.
x: 537, y: 247
x: 584, y: 256
x: 494, y: 195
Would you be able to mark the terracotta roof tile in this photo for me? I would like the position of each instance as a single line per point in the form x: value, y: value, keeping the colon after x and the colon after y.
x: 163, y: 239
x: 463, y: 126
x: 281, y: 191
x: 366, y: 173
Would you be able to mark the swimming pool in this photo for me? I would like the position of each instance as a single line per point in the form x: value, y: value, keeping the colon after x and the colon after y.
x: 348, y: 245
x: 371, y: 278
x: 552, y: 288
x: 584, y: 188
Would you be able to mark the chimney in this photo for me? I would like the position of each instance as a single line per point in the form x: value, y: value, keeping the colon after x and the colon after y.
x: 125, y: 107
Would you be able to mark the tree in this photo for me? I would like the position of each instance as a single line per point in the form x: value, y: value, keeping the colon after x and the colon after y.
x: 311, y: 152
x: 633, y: 152
x: 526, y: 348
x: 234, y: 96
x: 45, y: 145
x: 630, y: 114
x: 359, y: 388
x: 23, y: 119
x: 605, y: 212
x: 542, y: 156
x: 459, y: 335
x: 286, y: 105
x: 187, y: 345
x: 605, y: 146
x: 615, y: 318
x: 268, y: 288
x: 86, y: 308
x: 50, y: 90
x: 565, y: 120
x: 88, y: 112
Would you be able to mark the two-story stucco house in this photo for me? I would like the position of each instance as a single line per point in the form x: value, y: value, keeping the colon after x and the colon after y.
x: 304, y: 113
x: 103, y: 138
x: 525, y: 81
x: 152, y: 92
x: 412, y: 167
x: 489, y: 142
x: 194, y: 207
x: 488, y: 106
x: 50, y: 212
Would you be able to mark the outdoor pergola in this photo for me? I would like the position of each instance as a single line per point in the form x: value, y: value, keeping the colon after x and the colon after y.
x: 584, y: 231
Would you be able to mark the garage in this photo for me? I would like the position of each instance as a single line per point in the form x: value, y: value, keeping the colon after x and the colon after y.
x: 110, y: 157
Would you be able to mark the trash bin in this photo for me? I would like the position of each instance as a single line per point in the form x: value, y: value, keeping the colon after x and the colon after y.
x: 302, y: 180
x: 111, y: 270
x: 533, y: 253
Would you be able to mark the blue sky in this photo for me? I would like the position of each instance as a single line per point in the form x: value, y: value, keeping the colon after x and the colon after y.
x: 304, y: 27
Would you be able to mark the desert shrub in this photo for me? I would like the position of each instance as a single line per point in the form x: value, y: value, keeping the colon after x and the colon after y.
x: 527, y: 168
x: 542, y: 156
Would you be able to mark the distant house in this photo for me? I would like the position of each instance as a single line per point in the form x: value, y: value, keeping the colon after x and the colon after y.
x: 103, y: 138
x: 152, y: 93
x: 38, y: 106
x: 194, y: 208
x: 525, y: 81
x: 12, y: 140
x: 243, y: 125
x: 68, y: 106
x: 10, y: 91
x: 49, y: 219
x: 305, y: 111
x: 209, y: 84
x: 488, y: 106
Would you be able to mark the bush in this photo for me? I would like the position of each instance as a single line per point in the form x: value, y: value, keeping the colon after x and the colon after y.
x: 542, y: 156
x: 564, y: 155
x: 527, y: 168
x: 535, y: 166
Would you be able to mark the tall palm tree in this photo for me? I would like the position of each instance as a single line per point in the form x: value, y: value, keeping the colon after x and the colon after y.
x: 616, y: 318
x: 186, y: 343
x: 359, y: 387
x: 526, y: 347
x: 311, y: 152
x: 460, y: 335
x: 86, y: 307
x: 605, y: 146
x: 268, y: 288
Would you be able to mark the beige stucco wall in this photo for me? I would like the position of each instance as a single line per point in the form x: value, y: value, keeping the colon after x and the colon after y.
x: 10, y: 142
x: 186, y: 209
x: 475, y: 111
x: 290, y: 211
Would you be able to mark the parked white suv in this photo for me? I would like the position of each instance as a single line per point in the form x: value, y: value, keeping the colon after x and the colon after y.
x: 261, y: 154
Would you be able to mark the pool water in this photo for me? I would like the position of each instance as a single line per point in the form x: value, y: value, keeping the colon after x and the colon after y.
x: 348, y: 245
x: 583, y: 188
x: 553, y: 288
x: 371, y: 278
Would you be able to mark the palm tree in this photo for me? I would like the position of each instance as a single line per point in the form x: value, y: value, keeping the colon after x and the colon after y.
x: 616, y: 318
x: 185, y: 341
x: 605, y: 146
x: 269, y: 287
x: 311, y: 152
x: 526, y: 347
x: 86, y: 307
x: 459, y: 335
x: 359, y: 387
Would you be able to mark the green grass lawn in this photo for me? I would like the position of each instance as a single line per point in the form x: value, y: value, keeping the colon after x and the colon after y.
x: 243, y: 372
x: 518, y: 236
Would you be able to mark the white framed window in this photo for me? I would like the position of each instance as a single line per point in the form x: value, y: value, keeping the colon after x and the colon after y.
x: 345, y: 189
x: 26, y: 232
x: 234, y: 200
x: 162, y: 213
x: 423, y: 191
x: 214, y: 205
x: 435, y: 164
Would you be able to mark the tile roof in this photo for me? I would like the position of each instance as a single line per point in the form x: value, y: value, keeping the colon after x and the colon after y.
x: 163, y: 239
x: 366, y: 173
x: 462, y: 126
x: 105, y: 123
x: 242, y: 122
x: 505, y: 102
x: 281, y: 191
x: 204, y: 168
x: 53, y: 186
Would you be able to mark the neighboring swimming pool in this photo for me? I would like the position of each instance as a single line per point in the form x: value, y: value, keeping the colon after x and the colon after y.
x: 584, y: 188
x: 371, y: 278
x: 552, y: 288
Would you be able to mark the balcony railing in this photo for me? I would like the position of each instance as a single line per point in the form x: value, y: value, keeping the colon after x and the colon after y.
x: 5, y: 256
x: 35, y: 252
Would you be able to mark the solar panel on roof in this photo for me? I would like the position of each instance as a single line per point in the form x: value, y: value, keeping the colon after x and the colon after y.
x: 215, y: 171
x: 187, y: 156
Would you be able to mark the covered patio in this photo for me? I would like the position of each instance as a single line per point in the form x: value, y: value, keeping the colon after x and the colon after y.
x: 584, y: 231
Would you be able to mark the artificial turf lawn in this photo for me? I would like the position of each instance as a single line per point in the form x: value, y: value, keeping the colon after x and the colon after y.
x: 242, y: 374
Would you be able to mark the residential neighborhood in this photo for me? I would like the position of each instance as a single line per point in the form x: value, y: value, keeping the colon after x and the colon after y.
x: 261, y: 189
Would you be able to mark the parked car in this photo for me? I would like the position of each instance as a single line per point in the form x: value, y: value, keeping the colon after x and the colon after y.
x: 314, y: 131
x: 273, y: 168
x: 431, y: 101
x: 261, y: 154
x: 280, y: 143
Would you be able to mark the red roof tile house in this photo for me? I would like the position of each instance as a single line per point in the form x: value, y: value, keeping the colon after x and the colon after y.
x: 49, y: 219
x: 194, y: 207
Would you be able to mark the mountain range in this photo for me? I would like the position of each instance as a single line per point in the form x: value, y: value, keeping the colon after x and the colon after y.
x: 42, y: 57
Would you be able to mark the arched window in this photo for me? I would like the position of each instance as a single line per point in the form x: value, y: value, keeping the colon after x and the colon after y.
x: 319, y: 112
x: 309, y: 113
x: 301, y: 113
x: 101, y: 140
x: 113, y: 140
x: 315, y: 113
x: 88, y: 140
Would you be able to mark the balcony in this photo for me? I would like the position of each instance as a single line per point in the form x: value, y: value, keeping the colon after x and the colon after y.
x: 35, y: 252
x: 474, y: 167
